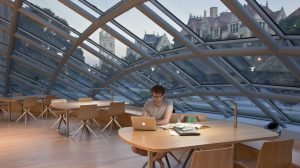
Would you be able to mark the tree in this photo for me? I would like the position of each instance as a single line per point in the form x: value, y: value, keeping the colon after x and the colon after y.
x: 290, y: 25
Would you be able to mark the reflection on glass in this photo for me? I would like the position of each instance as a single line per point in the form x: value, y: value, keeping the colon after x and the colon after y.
x: 252, y: 43
x: 24, y: 88
x: 3, y: 37
x: 88, y: 58
x: 128, y: 94
x: 291, y: 109
x: 197, y: 103
x: 5, y: 11
x: 135, y: 87
x: 201, y: 72
x: 32, y: 72
x: 67, y: 90
x: 160, y: 77
x: 35, y: 54
x: 245, y: 106
x: 266, y: 70
x: 43, y: 32
x: 284, y: 13
x: 63, y: 13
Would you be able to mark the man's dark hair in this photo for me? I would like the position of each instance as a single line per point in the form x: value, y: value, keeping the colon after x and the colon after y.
x: 158, y: 89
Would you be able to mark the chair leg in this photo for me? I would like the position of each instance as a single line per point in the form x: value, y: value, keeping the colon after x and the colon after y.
x: 78, y: 129
x: 116, y: 122
x: 188, y: 157
x: 21, y: 116
x: 82, y: 131
x: 95, y: 121
x: 42, y: 114
x: 174, y: 157
x: 60, y: 119
x: 89, y: 128
x: 168, y: 163
x: 31, y: 114
x: 51, y: 112
x: 107, y: 125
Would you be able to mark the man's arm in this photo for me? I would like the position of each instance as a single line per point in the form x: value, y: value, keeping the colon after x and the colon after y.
x: 145, y: 112
x: 167, y: 115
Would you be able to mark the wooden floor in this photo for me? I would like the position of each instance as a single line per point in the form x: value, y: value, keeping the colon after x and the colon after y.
x: 35, y: 145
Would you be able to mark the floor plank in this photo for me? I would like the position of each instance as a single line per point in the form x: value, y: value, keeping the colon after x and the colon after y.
x: 35, y: 145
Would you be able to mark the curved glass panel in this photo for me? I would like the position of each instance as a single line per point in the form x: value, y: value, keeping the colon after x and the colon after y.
x: 198, y: 104
x: 264, y: 70
x: 249, y: 43
x: 221, y: 88
x: 5, y: 11
x: 68, y: 90
x: 72, y: 83
x: 149, y: 32
x: 245, y: 106
x: 211, y: 20
x: 125, y: 93
x: 114, y: 46
x: 201, y: 72
x: 93, y: 61
x: 31, y: 70
x: 24, y: 88
x: 35, y: 54
x: 42, y: 32
x: 3, y: 37
x: 159, y: 76
x: 63, y: 13
x: 134, y: 87
x: 291, y: 109
x: 103, y: 5
x: 286, y: 14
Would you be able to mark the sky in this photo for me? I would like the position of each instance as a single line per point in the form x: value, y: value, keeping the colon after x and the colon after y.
x: 138, y: 23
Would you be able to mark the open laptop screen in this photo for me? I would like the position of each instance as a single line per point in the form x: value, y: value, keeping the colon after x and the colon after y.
x: 143, y: 123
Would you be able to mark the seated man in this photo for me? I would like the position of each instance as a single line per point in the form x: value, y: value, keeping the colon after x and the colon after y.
x: 161, y: 108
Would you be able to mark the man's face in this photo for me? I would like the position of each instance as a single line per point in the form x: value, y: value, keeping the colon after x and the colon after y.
x: 157, y: 97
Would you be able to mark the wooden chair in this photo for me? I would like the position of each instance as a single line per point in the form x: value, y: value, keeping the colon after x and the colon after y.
x: 3, y: 108
x: 59, y: 112
x: 216, y: 158
x: 47, y: 103
x: 188, y: 153
x: 86, y: 113
x: 85, y: 99
x: 28, y: 103
x: 273, y: 154
x: 115, y: 109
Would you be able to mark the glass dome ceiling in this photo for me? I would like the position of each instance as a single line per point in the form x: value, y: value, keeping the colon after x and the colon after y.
x: 204, y: 53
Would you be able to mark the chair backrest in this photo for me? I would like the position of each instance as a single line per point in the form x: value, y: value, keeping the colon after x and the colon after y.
x: 216, y: 158
x: 116, y: 108
x: 175, y: 117
x: 48, y: 99
x: 198, y: 117
x: 29, y: 102
x: 58, y: 100
x: 276, y: 154
x: 85, y: 99
x: 87, y: 112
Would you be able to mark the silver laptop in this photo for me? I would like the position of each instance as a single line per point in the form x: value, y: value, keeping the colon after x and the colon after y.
x: 143, y: 123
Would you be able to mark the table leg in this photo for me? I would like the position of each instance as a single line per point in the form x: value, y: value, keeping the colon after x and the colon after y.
x: 150, y: 159
x: 67, y: 118
x: 9, y: 110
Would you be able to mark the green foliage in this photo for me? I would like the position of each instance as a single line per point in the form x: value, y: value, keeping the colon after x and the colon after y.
x: 290, y: 25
